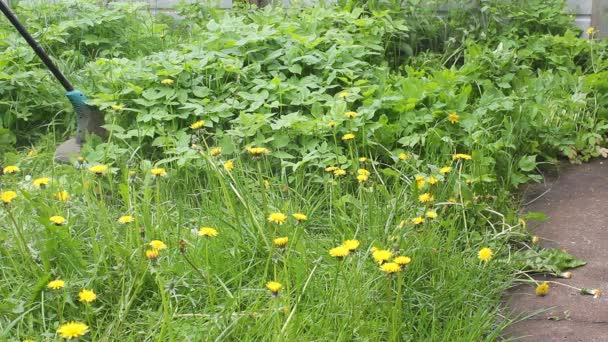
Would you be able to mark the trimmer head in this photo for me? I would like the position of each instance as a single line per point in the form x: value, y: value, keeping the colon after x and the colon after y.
x: 89, y: 120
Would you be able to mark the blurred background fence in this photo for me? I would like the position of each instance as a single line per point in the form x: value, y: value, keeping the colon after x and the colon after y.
x: 586, y: 12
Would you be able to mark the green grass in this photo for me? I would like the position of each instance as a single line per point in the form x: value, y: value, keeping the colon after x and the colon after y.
x: 217, y: 286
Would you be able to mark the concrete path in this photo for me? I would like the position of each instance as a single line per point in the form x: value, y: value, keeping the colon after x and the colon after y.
x: 577, y: 206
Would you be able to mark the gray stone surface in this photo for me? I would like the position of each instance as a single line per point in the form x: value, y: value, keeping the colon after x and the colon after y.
x: 577, y: 206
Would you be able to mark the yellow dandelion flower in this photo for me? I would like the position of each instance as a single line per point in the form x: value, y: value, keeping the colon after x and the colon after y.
x: 258, y: 151
x: 343, y: 94
x: 363, y: 172
x: 339, y: 172
x: 158, y: 172
x: 363, y: 159
x: 402, y: 260
x: 167, y: 81
x: 404, y: 156
x: 198, y: 124
x: 348, y: 136
x: 57, y: 220
x: 453, y: 118
x: 362, y: 178
x: 461, y: 156
x: 542, y: 289
x: 72, y: 330
x: 591, y: 31
x: 229, y: 165
x: 208, y: 232
x: 332, y: 124
x: 278, y: 218
x: 300, y: 217
x: 420, y: 181
x: 62, y: 196
x: 390, y: 267
x: 158, y: 245
x: 418, y: 220
x: 445, y: 169
x: 281, y: 241
x: 331, y: 168
x: 431, y: 214
x: 381, y: 255
x: 432, y: 180
x: 99, y: 169
x: 485, y: 254
x: 274, y: 287
x: 215, y: 151
x: 7, y: 196
x: 350, y: 115
x: 339, y: 252
x: 126, y: 219
x: 10, y: 169
x: 426, y: 198
x: 152, y: 254
x: 87, y: 296
x: 351, y: 245
x: 56, y: 284
x: 41, y: 182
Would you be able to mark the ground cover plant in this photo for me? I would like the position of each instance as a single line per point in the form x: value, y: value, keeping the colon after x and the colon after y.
x: 326, y: 173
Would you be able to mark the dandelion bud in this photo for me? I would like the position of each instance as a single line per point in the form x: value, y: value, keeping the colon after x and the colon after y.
x: 565, y: 275
x: 182, y: 246
x: 535, y: 239
x: 594, y: 292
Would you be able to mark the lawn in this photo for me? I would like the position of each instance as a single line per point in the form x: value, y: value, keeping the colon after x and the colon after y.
x: 318, y: 173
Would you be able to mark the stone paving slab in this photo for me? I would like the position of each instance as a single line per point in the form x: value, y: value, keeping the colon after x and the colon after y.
x: 576, y: 202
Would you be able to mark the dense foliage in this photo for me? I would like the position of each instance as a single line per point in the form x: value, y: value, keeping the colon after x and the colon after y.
x: 401, y: 127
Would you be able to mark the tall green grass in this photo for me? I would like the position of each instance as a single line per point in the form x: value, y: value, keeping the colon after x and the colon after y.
x: 203, y: 288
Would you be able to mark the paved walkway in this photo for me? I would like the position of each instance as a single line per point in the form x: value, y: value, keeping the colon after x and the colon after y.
x: 577, y: 206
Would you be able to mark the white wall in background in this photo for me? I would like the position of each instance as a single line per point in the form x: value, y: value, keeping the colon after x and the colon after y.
x: 582, y: 10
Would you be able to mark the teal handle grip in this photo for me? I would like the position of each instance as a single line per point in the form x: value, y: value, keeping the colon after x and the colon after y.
x: 83, y: 113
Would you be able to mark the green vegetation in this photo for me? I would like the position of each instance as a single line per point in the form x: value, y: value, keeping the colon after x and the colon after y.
x: 404, y: 130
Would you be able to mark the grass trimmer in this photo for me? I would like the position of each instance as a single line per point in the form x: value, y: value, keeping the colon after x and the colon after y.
x: 89, y: 118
